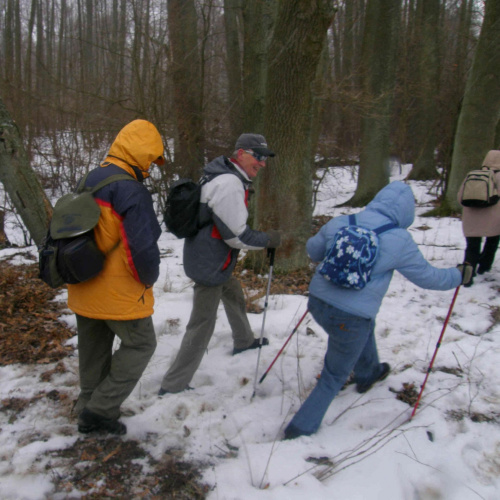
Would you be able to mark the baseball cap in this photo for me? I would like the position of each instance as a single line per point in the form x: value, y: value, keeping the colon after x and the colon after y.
x: 255, y: 142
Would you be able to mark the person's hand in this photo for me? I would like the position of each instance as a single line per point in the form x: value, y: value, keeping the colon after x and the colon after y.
x: 467, y: 273
x: 274, y: 238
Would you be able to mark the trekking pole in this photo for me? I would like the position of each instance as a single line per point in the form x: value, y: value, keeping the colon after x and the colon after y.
x: 284, y: 345
x: 270, y: 253
x: 436, y: 350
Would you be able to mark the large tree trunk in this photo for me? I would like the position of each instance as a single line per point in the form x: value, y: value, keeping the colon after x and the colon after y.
x: 258, y: 19
x: 424, y: 167
x: 186, y: 71
x: 378, y: 66
x: 19, y: 180
x: 347, y: 57
x: 285, y: 188
x: 233, y: 24
x: 480, y: 111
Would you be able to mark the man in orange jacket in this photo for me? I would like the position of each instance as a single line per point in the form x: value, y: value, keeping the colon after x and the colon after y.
x: 119, y: 301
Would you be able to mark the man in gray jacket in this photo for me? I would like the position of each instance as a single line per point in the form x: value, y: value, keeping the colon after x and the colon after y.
x: 211, y: 255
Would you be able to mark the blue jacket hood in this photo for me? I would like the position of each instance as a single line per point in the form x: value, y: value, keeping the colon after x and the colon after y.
x: 397, y: 202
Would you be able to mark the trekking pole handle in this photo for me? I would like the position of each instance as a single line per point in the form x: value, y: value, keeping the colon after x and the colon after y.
x: 271, y: 252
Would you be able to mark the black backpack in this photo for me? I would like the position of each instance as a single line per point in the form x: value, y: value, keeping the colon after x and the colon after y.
x: 69, y: 253
x: 182, y: 208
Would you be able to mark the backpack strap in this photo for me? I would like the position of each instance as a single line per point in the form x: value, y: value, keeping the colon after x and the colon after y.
x: 104, y: 182
x: 385, y: 227
x: 378, y: 230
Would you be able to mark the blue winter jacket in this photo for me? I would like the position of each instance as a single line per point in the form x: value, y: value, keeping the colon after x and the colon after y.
x: 397, y: 251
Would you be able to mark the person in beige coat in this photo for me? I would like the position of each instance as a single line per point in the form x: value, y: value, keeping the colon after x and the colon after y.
x: 478, y: 223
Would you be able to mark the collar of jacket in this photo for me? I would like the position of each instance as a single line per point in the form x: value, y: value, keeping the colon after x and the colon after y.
x: 233, y: 164
x: 139, y: 174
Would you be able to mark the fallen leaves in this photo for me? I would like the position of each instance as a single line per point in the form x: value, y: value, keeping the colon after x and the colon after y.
x: 112, y: 467
x: 29, y: 328
x: 408, y: 394
x: 255, y: 285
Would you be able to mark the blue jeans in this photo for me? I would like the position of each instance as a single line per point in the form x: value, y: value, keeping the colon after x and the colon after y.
x: 351, y: 348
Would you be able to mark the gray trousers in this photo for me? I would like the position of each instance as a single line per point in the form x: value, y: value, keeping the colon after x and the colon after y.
x: 107, y: 378
x: 201, y: 327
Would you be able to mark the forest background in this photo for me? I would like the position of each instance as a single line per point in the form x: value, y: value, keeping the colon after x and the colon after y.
x: 327, y: 82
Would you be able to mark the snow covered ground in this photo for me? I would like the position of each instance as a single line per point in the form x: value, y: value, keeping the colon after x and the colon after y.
x: 366, y: 447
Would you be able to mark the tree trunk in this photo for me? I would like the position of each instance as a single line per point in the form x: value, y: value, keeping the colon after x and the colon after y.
x: 425, y: 138
x: 4, y: 241
x: 285, y: 188
x: 258, y: 20
x: 453, y: 79
x: 378, y: 67
x: 19, y: 180
x: 233, y: 28
x: 347, y: 136
x: 480, y: 111
x: 186, y: 71
x: 28, y: 71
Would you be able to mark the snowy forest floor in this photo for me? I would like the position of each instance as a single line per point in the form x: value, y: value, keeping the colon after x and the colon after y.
x: 217, y: 442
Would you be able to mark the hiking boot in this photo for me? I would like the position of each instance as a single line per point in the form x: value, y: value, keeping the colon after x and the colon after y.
x: 254, y: 345
x: 350, y: 380
x: 89, y: 421
x: 163, y: 391
x: 292, y: 432
x: 482, y: 269
x: 386, y: 369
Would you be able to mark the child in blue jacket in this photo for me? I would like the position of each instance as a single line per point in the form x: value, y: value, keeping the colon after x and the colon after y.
x: 348, y: 315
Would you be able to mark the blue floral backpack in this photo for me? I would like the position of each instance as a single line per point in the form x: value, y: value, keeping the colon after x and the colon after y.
x: 350, y: 259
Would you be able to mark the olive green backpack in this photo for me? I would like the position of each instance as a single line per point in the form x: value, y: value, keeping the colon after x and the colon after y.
x: 69, y: 253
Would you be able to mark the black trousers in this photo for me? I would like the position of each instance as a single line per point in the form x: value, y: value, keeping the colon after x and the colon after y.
x: 474, y: 256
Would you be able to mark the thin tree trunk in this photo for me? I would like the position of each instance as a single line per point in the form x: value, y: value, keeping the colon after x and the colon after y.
x: 28, y: 71
x: 4, y: 241
x: 233, y: 28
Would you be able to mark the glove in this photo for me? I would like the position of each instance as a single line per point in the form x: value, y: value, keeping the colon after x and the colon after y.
x: 467, y: 273
x: 274, y: 238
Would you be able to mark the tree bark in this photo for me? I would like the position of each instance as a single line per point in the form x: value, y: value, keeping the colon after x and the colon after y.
x: 378, y: 66
x: 233, y: 24
x: 480, y: 111
x: 19, y: 180
x: 285, y: 188
x: 424, y: 167
x: 4, y: 241
x: 258, y: 20
x: 186, y: 71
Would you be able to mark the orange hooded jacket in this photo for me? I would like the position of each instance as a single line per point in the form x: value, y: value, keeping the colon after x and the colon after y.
x: 127, y: 231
